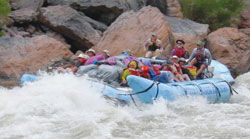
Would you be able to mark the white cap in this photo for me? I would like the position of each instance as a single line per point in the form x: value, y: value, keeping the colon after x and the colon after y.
x: 176, y: 57
x: 154, y: 34
x: 83, y: 56
x: 107, y: 52
x: 91, y: 50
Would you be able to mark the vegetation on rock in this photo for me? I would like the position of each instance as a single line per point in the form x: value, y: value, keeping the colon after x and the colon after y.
x: 216, y: 13
x: 4, y: 11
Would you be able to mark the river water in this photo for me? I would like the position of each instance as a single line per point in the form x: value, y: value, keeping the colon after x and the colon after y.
x: 64, y: 106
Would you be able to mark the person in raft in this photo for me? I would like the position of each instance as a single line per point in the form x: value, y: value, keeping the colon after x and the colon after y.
x: 82, y: 58
x: 91, y: 52
x: 153, y: 46
x: 200, y: 57
x: 95, y: 59
x: 179, y: 50
x: 132, y: 69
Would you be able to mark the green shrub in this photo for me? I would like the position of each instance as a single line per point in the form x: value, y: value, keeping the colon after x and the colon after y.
x: 4, y: 11
x: 4, y: 8
x: 216, y: 13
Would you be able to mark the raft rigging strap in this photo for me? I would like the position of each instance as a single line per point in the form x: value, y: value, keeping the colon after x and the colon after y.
x: 141, y: 91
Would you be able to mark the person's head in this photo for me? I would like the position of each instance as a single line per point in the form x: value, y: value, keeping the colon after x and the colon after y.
x: 83, y: 56
x: 175, y: 59
x: 91, y: 52
x: 133, y: 64
x: 106, y: 53
x: 153, y: 37
x: 127, y: 52
x: 182, y: 61
x: 200, y: 44
x: 180, y: 43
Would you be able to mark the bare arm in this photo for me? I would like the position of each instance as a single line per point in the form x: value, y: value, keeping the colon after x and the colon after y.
x: 209, y: 56
x: 192, y: 55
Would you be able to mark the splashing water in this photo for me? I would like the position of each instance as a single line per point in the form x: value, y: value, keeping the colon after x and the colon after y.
x: 65, y: 106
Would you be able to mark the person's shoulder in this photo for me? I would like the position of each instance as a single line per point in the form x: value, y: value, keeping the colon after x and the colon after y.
x: 207, y: 50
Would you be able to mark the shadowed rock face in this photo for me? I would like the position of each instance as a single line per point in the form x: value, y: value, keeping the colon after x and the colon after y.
x: 245, y: 18
x: 188, y: 30
x: 160, y: 4
x: 28, y: 55
x: 132, y: 29
x: 105, y: 11
x: 231, y: 47
x: 73, y: 26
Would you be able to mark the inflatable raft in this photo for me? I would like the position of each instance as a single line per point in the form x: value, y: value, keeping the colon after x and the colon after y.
x: 214, y: 90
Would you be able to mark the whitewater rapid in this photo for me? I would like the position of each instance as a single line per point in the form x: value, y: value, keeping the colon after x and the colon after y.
x: 64, y: 106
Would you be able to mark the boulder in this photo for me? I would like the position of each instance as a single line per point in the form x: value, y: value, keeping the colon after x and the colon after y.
x: 28, y: 55
x: 132, y: 29
x: 104, y: 11
x: 95, y: 24
x: 245, y: 18
x: 23, y: 15
x: 246, y: 31
x: 188, y: 30
x: 68, y: 22
x: 25, y: 11
x: 32, y: 4
x: 231, y: 47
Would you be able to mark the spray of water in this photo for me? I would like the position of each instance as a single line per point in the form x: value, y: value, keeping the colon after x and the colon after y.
x: 65, y: 106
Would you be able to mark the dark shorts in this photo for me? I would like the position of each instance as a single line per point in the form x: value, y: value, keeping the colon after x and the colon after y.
x: 199, y: 63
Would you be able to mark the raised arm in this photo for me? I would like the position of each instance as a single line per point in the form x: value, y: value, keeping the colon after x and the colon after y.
x: 209, y: 56
x: 192, y: 55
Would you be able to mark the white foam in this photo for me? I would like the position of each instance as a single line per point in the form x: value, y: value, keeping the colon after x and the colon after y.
x: 65, y: 106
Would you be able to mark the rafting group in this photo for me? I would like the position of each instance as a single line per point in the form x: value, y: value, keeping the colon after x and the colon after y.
x: 179, y: 67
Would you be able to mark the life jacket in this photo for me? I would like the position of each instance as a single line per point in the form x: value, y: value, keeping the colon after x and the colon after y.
x: 144, y: 71
x: 82, y: 61
x: 153, y: 46
x: 200, y: 55
x: 178, y: 67
x: 134, y: 72
x: 192, y: 70
x: 179, y: 52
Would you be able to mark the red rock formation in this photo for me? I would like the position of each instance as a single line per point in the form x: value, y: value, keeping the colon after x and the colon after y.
x: 132, y: 29
x: 231, y: 47
x: 28, y: 55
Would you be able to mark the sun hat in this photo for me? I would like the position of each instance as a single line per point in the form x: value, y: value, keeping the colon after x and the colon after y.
x: 91, y: 50
x: 200, y: 43
x: 107, y: 52
x: 83, y: 56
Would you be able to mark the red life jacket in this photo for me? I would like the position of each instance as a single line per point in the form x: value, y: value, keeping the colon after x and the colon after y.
x: 179, y: 52
x: 134, y: 72
x: 200, y: 55
x: 178, y: 67
x: 156, y: 70
x: 82, y: 60
x: 144, y: 71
